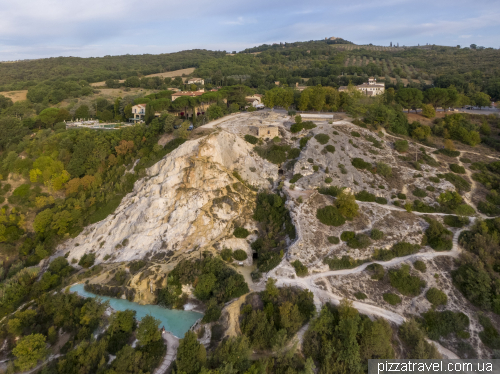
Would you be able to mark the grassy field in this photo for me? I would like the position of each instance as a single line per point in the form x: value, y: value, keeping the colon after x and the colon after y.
x: 16, y: 95
x: 171, y: 74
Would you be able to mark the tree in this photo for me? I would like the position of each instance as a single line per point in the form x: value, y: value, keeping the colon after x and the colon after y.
x: 29, y: 350
x: 481, y: 99
x: 42, y: 220
x: 182, y: 132
x: 150, y: 114
x: 5, y: 102
x: 436, y: 96
x: 82, y: 112
x: 428, y: 111
x: 348, y: 356
x: 11, y: 130
x: 49, y: 116
x: 148, y: 330
x: 191, y: 355
x: 346, y: 205
x: 410, y: 98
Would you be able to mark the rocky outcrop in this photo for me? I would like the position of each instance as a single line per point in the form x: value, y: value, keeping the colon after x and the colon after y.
x: 191, y: 199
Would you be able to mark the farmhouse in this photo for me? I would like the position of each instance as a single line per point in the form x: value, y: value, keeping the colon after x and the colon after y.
x: 266, y: 132
x: 254, y: 100
x: 372, y: 88
x: 196, y: 81
x: 138, y: 112
x: 176, y: 95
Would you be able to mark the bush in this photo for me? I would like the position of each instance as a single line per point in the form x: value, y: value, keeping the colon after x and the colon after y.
x: 383, y: 169
x: 355, y: 134
x: 377, y: 271
x: 420, y: 266
x: 330, y: 148
x: 401, y: 196
x: 333, y: 240
x: 322, y: 138
x: 300, y: 269
x: 251, y: 139
x: 360, y: 295
x: 376, y: 234
x: 391, y: 298
x: 346, y: 262
x: 365, y: 196
x: 315, y: 167
x: 241, y: 232
x: 397, y: 250
x: 240, y: 255
x: 419, y: 193
x: 303, y: 141
x: 428, y: 111
x: 436, y: 297
x: 347, y: 235
x: 406, y: 284
x: 438, y: 237
x: 381, y: 200
x: 449, y: 152
x: 489, y: 336
x: 359, y: 163
x: 360, y: 241
x: 331, y: 191
x: 297, y: 127
x: 466, y: 160
x: 226, y: 254
x: 330, y: 216
x: 346, y: 205
x: 455, y: 221
x: 87, y: 260
x: 434, y: 179
x: 430, y: 188
x: 295, y: 178
x: 328, y: 180
x: 457, y: 169
x: 401, y: 146
x: 442, y: 324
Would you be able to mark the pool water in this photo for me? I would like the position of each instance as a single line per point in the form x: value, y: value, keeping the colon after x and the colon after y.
x: 178, y: 322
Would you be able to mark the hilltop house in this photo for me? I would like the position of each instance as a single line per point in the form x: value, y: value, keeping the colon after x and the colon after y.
x: 196, y: 81
x: 178, y: 94
x: 254, y: 100
x: 138, y: 112
x: 372, y: 88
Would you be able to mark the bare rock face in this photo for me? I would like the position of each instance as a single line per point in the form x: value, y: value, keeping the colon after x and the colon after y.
x: 191, y: 199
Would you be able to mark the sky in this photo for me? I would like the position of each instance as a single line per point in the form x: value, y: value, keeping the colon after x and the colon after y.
x: 92, y: 28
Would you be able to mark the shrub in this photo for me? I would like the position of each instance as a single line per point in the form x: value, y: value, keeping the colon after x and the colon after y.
x: 328, y: 180
x: 241, y: 232
x: 436, y: 297
x: 381, y: 200
x: 377, y: 271
x: 303, y: 141
x: 330, y: 216
x: 346, y: 205
x: 365, y: 196
x: 455, y: 221
x: 464, y: 210
x: 376, y: 234
x: 295, y: 178
x: 300, y: 269
x: 401, y: 146
x: 315, y: 167
x: 428, y: 111
x: 434, y: 179
x: 449, y: 152
x: 360, y: 295
x: 420, y: 266
x: 391, y: 298
x: 347, y: 235
x: 419, y: 193
x: 383, y: 169
x: 331, y: 191
x: 355, y: 134
x: 466, y: 160
x: 401, y: 196
x: 438, y: 237
x: 457, y: 169
x: 333, y: 240
x: 87, y: 260
x: 330, y: 148
x: 489, y: 336
x: 297, y: 127
x: 359, y: 163
x: 226, y: 254
x: 277, y: 154
x: 442, y: 324
x: 397, y: 250
x: 406, y: 284
x: 251, y: 139
x: 346, y: 262
x: 322, y: 138
x: 360, y: 241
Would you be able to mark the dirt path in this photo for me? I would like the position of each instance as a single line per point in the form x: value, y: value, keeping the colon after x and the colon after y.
x: 172, y: 343
x: 233, y: 311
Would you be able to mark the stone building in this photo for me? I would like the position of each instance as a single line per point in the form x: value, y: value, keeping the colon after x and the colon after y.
x: 267, y: 132
x: 372, y: 88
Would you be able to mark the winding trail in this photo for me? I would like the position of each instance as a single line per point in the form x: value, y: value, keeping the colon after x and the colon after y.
x: 172, y: 345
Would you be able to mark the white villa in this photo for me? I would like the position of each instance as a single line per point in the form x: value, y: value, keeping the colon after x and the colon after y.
x: 372, y: 88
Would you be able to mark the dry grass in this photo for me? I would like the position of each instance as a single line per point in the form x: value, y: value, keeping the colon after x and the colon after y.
x: 15, y: 95
x: 171, y: 74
